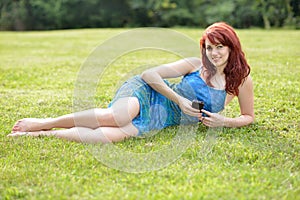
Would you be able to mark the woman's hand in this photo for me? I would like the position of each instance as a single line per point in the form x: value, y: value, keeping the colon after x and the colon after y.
x: 186, y: 107
x: 212, y: 119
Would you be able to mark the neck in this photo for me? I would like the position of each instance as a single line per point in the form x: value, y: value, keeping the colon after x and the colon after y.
x: 220, y: 70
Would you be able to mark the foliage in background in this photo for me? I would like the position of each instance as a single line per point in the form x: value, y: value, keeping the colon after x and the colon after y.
x: 65, y: 14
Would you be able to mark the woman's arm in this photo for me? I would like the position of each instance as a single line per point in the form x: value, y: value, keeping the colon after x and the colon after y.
x: 246, y: 102
x: 154, y: 77
x: 228, y: 99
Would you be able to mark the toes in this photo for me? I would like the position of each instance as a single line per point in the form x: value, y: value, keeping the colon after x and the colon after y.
x: 16, y: 128
x: 20, y: 126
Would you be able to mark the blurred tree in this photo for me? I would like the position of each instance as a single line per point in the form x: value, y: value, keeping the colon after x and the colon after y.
x: 219, y: 11
x: 275, y: 12
x: 296, y: 10
x: 62, y: 14
x: 151, y: 12
x: 13, y: 15
x: 179, y: 14
x: 264, y: 10
x: 94, y: 13
x: 43, y: 15
x: 244, y: 15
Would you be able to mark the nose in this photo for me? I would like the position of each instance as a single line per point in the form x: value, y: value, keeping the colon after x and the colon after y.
x: 214, y: 51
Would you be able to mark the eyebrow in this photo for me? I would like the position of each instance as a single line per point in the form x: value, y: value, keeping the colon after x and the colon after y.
x: 214, y: 44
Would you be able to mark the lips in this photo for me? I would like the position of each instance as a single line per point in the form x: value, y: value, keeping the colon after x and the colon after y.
x: 215, y: 59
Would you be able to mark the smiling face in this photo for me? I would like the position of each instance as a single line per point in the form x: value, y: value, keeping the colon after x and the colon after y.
x: 221, y: 52
x: 217, y: 53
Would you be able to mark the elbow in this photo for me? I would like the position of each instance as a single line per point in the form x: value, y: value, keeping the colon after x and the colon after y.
x: 245, y: 120
x: 147, y: 75
x: 251, y: 119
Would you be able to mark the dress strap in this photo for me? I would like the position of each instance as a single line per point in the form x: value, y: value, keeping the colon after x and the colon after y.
x: 200, y: 68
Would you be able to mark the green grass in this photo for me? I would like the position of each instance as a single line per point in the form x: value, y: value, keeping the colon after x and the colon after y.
x: 38, y: 71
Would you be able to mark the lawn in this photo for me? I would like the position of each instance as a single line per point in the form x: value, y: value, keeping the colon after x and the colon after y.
x: 38, y: 76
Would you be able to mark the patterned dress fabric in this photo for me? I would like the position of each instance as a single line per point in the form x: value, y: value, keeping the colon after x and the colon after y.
x: 158, y: 112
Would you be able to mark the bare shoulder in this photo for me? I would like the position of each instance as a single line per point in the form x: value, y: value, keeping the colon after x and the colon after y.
x: 247, y: 83
x: 249, y: 78
x: 246, y: 88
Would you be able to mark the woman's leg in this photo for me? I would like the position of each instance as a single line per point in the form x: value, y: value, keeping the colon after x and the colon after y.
x: 120, y: 114
x: 87, y: 135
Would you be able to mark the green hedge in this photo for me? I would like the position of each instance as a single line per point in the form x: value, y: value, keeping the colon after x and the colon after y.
x: 65, y: 14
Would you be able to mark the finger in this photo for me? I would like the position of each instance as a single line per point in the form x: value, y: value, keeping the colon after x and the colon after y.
x: 206, y: 121
x: 206, y: 112
x: 194, y: 109
x: 193, y: 112
x: 200, y: 118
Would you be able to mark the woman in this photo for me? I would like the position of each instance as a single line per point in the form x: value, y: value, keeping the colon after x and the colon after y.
x: 148, y: 102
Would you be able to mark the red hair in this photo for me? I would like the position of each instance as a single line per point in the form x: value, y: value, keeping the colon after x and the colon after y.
x: 237, y: 68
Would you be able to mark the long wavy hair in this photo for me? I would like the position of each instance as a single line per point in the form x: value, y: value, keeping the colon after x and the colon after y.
x: 237, y: 68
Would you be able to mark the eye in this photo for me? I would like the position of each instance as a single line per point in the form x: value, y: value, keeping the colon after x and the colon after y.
x: 208, y: 48
x: 220, y: 46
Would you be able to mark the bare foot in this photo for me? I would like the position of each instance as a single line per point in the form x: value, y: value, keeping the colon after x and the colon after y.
x: 18, y: 134
x: 33, y: 134
x: 31, y: 124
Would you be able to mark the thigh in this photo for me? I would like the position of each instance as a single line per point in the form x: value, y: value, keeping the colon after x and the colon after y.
x: 121, y: 113
x: 102, y: 134
x: 114, y: 134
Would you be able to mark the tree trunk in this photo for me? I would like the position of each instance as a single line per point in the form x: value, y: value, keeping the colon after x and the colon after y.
x: 289, y: 18
x: 17, y: 21
x: 267, y: 24
x: 264, y: 14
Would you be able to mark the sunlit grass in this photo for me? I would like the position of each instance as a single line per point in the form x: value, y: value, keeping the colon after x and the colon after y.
x: 38, y: 71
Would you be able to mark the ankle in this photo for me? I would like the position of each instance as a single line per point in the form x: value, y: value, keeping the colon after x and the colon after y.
x: 48, y: 123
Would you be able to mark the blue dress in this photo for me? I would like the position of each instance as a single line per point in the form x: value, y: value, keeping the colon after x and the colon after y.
x: 158, y: 112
